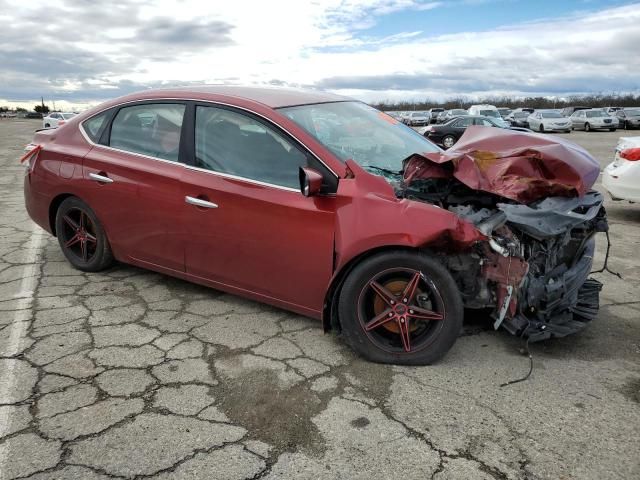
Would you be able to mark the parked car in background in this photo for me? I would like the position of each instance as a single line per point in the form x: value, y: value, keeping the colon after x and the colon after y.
x: 433, y: 114
x: 628, y: 118
x: 518, y: 119
x: 593, y: 119
x: 504, y: 112
x: 523, y: 109
x: 32, y: 115
x: 447, y: 134
x: 416, y: 119
x: 568, y: 111
x: 612, y: 110
x: 549, y: 121
x: 621, y: 178
x: 447, y: 115
x: 484, y: 111
x: 57, y: 119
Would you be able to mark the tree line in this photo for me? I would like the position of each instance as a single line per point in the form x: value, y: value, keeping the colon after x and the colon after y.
x: 593, y: 101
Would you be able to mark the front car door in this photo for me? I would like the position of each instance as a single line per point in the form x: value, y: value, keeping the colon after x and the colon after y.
x: 248, y: 228
x: 132, y: 179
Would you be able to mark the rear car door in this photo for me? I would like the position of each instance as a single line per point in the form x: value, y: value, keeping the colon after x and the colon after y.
x: 247, y: 225
x: 132, y: 179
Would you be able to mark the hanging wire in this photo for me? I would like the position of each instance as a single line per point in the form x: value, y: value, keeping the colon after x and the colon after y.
x: 526, y: 377
x: 605, y: 267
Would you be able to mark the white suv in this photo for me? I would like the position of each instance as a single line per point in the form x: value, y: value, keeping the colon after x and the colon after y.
x: 484, y: 111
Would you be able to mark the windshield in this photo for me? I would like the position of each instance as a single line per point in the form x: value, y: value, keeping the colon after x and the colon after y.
x: 521, y: 115
x: 354, y: 130
x: 551, y: 115
x: 67, y: 116
x: 490, y: 113
x: 459, y: 112
x: 596, y: 113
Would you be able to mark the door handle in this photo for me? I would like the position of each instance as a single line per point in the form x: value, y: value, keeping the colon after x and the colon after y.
x: 100, y: 178
x: 198, y: 202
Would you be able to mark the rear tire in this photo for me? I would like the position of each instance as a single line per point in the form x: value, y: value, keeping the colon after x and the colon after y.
x: 81, y: 236
x: 612, y: 129
x: 448, y: 141
x: 46, y: 125
x: 587, y: 127
x: 541, y: 128
x: 372, y: 310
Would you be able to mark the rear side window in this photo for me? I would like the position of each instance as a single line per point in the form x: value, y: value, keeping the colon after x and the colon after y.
x: 94, y: 126
x: 150, y: 129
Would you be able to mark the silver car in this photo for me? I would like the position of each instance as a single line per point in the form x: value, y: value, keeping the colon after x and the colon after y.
x: 628, y: 118
x: 593, y: 119
x: 548, y: 121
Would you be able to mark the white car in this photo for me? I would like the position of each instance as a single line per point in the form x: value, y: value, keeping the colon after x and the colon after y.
x: 484, y: 111
x: 56, y: 119
x: 621, y: 178
x: 548, y: 121
x: 593, y: 119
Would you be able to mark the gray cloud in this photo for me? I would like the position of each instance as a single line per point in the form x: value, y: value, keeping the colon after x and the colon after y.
x: 44, y: 57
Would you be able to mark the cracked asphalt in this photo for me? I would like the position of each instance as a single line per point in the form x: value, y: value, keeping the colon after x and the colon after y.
x: 132, y: 374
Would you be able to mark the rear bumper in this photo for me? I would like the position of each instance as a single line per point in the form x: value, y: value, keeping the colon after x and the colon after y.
x: 37, y: 205
x: 622, y: 181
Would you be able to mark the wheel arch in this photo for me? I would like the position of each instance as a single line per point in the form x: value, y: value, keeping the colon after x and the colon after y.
x: 330, y: 320
x: 53, y: 209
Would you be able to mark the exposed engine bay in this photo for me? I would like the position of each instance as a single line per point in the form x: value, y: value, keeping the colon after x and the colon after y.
x: 533, y: 270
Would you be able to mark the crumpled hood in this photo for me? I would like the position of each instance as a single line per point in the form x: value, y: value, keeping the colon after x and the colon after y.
x: 518, y: 165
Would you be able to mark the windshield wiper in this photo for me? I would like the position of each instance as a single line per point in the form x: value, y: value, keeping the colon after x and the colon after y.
x: 381, y: 169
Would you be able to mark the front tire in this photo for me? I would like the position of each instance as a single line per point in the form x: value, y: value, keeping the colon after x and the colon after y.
x: 612, y: 129
x: 81, y: 236
x: 587, y: 127
x: 541, y: 128
x: 400, y: 307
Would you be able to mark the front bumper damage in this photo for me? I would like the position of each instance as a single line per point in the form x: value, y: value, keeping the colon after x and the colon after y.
x: 532, y: 272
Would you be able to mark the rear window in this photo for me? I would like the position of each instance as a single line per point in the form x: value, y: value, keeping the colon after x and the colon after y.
x: 489, y: 113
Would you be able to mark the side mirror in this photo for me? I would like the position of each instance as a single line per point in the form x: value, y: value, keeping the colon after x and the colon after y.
x: 310, y: 181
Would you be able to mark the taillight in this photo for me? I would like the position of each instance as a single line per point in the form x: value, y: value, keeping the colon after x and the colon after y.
x: 630, y: 154
x: 61, y: 122
x: 31, y: 153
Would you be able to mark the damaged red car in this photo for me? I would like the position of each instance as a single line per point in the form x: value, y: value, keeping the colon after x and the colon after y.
x: 324, y: 206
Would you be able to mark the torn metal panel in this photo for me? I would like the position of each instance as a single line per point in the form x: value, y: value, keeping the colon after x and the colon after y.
x: 553, y: 216
x: 516, y: 165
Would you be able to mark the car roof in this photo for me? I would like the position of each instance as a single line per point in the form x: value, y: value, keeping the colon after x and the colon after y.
x: 274, y: 97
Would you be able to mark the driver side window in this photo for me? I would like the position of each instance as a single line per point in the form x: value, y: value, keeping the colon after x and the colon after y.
x: 237, y: 144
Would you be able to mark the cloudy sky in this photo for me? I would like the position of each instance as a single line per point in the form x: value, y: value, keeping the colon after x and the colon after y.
x: 80, y: 52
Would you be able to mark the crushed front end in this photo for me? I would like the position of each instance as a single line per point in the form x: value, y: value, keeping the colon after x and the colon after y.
x: 533, y: 270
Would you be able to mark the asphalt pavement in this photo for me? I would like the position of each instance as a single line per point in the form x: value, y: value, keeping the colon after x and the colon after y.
x: 132, y: 374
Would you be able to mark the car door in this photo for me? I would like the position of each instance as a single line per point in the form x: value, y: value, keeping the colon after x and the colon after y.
x: 575, y: 119
x: 132, y: 181
x: 248, y: 228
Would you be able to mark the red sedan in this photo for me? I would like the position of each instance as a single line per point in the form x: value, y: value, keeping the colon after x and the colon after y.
x: 324, y: 206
